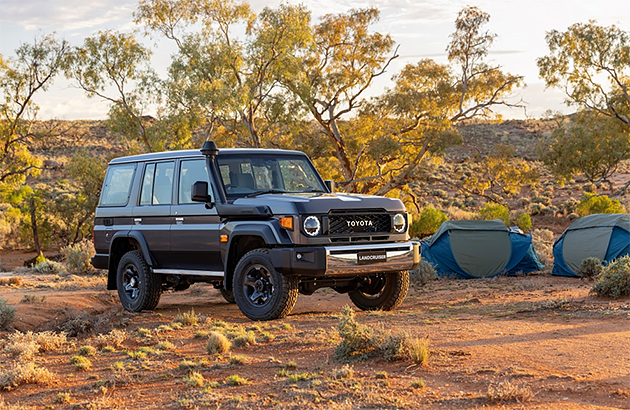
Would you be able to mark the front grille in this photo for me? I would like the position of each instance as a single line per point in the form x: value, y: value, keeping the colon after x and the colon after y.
x: 359, y: 223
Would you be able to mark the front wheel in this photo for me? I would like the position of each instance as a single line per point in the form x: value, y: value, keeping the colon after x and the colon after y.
x: 138, y: 288
x: 385, y: 291
x: 261, y: 292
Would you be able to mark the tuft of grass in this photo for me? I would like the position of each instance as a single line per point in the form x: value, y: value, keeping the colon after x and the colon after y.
x: 238, y: 359
x: 345, y: 372
x: 417, y: 384
x: 290, y: 365
x: 201, y: 334
x: 248, y: 339
x: 266, y: 337
x: 382, y: 375
x: 187, y: 318
x: 13, y: 281
x: 188, y: 365
x: 614, y: 279
x: 114, y: 338
x: 217, y: 343
x: 87, y: 351
x: 81, y: 363
x: 7, y: 315
x: 118, y: 366
x: 357, y: 340
x: 508, y: 392
x: 236, y: 380
x: 194, y: 379
x: 144, y: 333
x: 25, y: 373
x: 63, y: 398
x: 418, y: 351
x: 29, y: 298
x: 165, y: 345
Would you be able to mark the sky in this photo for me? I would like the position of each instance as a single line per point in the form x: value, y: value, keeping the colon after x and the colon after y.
x: 420, y: 27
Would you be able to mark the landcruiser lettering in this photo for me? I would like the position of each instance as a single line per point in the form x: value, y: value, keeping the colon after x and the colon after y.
x: 259, y: 225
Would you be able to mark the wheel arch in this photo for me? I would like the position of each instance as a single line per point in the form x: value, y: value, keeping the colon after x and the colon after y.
x: 122, y: 243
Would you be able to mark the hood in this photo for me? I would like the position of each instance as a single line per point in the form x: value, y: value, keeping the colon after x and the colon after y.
x: 312, y: 203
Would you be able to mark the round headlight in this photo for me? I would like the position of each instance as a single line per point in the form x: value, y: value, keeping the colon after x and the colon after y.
x: 399, y: 223
x: 312, y: 226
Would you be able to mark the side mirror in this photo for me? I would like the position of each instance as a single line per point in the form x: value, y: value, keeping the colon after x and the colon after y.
x: 330, y: 184
x: 199, y: 192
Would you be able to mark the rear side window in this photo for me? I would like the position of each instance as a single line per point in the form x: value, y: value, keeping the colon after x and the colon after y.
x: 157, y: 184
x: 117, y: 185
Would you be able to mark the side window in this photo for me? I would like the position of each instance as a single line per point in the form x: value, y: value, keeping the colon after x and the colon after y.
x: 157, y: 184
x: 190, y: 172
x: 117, y: 185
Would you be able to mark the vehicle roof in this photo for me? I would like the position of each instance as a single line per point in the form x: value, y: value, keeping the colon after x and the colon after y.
x: 191, y: 153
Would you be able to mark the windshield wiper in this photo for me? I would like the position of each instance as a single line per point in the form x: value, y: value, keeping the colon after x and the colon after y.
x: 267, y: 191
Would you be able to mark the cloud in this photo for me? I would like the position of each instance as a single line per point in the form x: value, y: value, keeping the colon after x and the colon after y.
x: 66, y: 15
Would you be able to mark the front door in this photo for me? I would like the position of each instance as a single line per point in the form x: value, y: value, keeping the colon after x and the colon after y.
x: 195, y: 229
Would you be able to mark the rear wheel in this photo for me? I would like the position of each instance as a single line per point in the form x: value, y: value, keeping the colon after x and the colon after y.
x: 138, y: 288
x: 228, y: 295
x: 261, y: 292
x: 385, y: 291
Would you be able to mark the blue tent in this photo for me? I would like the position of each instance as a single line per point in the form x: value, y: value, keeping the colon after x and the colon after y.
x: 603, y: 236
x: 479, y: 249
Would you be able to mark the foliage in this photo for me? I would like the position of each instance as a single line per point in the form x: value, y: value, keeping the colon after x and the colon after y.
x: 590, y: 268
x: 599, y: 204
x: 508, y: 392
x: 111, y: 60
x: 78, y: 256
x: 614, y: 279
x: 499, y: 173
x: 491, y: 211
x: 423, y: 274
x: 7, y: 315
x: 47, y: 266
x: 357, y: 340
x: 427, y: 222
x: 524, y: 222
x: 25, y: 373
x: 217, y: 78
x: 189, y: 318
x: 590, y: 63
x: 592, y: 144
x: 81, y: 363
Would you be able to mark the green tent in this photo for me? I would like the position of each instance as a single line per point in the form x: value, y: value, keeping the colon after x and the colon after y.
x: 479, y: 249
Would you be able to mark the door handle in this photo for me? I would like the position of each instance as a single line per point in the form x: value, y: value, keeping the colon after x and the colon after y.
x: 179, y: 219
x: 137, y: 220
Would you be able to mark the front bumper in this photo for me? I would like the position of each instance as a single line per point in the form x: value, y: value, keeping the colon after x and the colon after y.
x: 346, y: 260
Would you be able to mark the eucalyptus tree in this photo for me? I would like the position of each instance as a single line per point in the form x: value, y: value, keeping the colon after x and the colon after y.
x: 220, y: 78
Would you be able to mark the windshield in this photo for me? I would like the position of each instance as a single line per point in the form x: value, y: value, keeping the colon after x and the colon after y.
x: 255, y: 174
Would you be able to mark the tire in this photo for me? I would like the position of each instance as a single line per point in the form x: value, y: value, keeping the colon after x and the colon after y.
x: 228, y: 295
x: 262, y: 293
x: 138, y: 288
x: 385, y: 292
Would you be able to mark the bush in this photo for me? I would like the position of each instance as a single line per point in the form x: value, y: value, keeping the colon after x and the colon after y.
x: 357, y: 340
x: 47, y: 266
x: 495, y: 211
x: 427, y: 222
x: 423, y: 274
x: 189, y: 318
x: 217, y: 343
x: 7, y: 315
x: 78, y: 256
x: 614, y: 279
x: 599, y: 204
x: 24, y: 373
x: 590, y: 268
x: 524, y: 222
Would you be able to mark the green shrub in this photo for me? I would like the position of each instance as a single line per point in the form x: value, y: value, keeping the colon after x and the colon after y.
x: 599, y: 204
x: 357, y: 340
x: 81, y: 363
x: 78, y: 256
x: 495, y: 211
x: 194, y: 379
x: 423, y: 274
x: 524, y: 222
x: 590, y: 268
x: 7, y: 315
x: 47, y: 266
x: 427, y: 222
x: 188, y: 318
x: 614, y: 279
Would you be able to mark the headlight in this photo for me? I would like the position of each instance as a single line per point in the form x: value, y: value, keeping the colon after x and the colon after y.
x: 400, y: 224
x: 312, y: 226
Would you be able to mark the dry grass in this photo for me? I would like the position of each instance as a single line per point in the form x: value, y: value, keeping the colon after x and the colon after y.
x: 509, y: 392
x: 217, y: 343
x: 115, y: 338
x: 25, y: 373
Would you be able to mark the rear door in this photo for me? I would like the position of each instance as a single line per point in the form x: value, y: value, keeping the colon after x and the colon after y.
x: 152, y: 214
x: 195, y: 229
